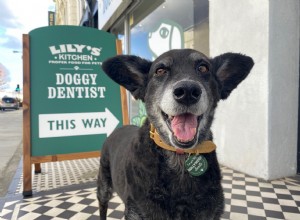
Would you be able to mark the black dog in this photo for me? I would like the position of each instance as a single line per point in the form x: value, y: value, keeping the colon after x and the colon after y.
x: 168, y: 168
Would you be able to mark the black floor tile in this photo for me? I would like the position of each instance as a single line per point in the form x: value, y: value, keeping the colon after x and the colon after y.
x: 274, y: 214
x: 238, y: 209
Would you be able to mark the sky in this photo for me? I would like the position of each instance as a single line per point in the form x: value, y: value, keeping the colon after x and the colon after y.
x: 19, y: 17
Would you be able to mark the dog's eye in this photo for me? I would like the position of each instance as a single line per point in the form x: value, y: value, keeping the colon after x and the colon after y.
x: 203, y: 68
x: 160, y: 72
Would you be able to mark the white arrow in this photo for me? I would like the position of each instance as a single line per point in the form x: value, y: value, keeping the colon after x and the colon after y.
x: 75, y: 124
x: 112, y: 122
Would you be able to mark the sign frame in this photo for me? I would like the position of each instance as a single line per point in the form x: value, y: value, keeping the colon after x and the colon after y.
x: 28, y: 159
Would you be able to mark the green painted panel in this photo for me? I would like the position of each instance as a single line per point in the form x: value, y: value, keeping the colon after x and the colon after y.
x: 74, y: 105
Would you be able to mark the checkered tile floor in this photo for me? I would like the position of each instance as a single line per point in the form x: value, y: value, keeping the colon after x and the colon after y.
x: 73, y: 196
x: 59, y: 174
x: 250, y: 198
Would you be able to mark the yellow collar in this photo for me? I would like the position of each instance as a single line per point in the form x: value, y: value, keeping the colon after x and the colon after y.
x: 203, y: 148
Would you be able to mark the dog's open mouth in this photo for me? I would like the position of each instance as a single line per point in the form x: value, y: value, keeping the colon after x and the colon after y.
x: 184, y: 128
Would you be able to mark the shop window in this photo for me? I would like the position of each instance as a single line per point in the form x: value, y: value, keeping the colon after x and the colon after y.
x: 173, y: 24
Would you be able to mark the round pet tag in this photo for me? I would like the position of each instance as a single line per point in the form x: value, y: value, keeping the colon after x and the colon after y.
x: 196, y: 165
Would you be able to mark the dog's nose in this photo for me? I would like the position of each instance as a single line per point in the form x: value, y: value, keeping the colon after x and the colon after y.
x: 187, y: 93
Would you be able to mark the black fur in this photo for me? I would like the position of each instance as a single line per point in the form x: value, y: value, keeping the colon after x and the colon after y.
x: 129, y: 71
x: 152, y: 182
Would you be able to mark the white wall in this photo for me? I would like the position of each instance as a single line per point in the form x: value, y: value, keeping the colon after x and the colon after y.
x: 257, y: 124
x: 283, y: 89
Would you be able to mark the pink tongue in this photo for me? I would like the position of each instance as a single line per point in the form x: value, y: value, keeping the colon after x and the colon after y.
x: 184, y: 127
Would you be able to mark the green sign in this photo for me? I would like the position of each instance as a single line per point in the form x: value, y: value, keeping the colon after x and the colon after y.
x: 74, y: 105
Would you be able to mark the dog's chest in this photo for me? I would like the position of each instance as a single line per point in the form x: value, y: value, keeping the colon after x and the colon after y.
x: 175, y: 185
x: 167, y: 186
x: 182, y: 196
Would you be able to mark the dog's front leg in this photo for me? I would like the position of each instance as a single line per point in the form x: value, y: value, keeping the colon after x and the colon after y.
x: 131, y: 212
x: 103, y: 211
x: 104, y: 188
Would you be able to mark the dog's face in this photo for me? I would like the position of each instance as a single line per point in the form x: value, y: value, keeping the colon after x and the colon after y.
x: 181, y: 97
x: 180, y: 89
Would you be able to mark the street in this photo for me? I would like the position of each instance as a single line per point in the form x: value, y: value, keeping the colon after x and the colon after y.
x: 10, y: 146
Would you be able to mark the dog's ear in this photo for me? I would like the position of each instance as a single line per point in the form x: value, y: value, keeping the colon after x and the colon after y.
x: 230, y: 70
x: 129, y: 71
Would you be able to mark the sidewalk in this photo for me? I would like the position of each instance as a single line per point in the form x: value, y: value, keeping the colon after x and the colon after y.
x: 67, y: 190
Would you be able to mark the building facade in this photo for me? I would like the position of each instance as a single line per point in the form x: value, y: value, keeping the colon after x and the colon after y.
x: 256, y: 129
x: 69, y: 12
